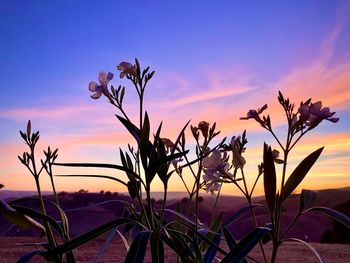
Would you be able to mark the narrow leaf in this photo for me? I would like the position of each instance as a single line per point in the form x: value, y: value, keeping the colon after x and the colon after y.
x: 269, y: 178
x: 144, y: 143
x: 307, y: 245
x: 299, y: 173
x: 26, y: 258
x: 231, y: 242
x: 104, y: 246
x: 134, y: 131
x: 84, y: 238
x: 241, y: 250
x: 18, y: 218
x: 240, y: 212
x: 138, y: 248
x: 345, y: 220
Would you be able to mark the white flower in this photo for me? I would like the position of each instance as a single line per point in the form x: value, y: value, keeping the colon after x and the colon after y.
x: 214, y: 166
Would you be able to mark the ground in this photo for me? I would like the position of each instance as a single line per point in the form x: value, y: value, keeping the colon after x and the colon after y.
x: 291, y: 253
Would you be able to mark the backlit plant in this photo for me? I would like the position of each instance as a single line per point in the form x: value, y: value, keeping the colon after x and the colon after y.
x: 214, y: 165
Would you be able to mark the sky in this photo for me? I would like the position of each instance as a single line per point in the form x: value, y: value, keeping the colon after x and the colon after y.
x: 214, y: 60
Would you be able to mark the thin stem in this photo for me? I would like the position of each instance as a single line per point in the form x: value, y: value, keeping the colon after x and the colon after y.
x: 150, y: 206
x: 143, y: 210
x: 163, y: 207
x: 274, y: 135
x: 256, y: 181
x: 216, y: 202
x: 252, y: 212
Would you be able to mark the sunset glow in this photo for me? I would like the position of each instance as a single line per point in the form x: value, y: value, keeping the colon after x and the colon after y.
x: 213, y: 62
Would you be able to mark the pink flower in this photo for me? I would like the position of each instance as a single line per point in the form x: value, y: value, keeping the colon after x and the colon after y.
x: 312, y: 114
x: 238, y: 160
x: 126, y: 69
x: 103, y: 79
x: 215, y: 163
x: 254, y: 114
x: 203, y: 126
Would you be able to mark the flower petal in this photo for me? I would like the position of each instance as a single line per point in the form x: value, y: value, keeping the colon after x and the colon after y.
x: 93, y: 86
x: 96, y: 95
x: 110, y: 76
x: 102, y: 78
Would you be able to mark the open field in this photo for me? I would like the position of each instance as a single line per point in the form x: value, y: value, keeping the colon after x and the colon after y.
x: 291, y: 253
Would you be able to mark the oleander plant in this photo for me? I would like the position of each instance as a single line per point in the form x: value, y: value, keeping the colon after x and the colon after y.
x: 213, y: 162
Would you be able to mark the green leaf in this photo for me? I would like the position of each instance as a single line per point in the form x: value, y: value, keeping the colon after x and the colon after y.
x: 307, y: 199
x: 240, y: 212
x: 241, y: 250
x: 178, y: 245
x: 93, y: 175
x: 181, y: 136
x: 345, y: 220
x: 214, y: 228
x: 197, y: 233
x: 26, y: 258
x: 158, y: 163
x: 211, y: 251
x: 84, y: 238
x: 133, y: 130
x: 144, y: 143
x: 100, y: 165
x: 125, y: 164
x: 299, y: 173
x: 105, y: 245
x: 138, y: 248
x: 231, y: 242
x: 134, y: 188
x: 33, y: 213
x: 305, y: 244
x: 19, y: 218
x: 269, y: 178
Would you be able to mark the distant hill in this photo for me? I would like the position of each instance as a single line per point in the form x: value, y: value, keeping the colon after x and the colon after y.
x: 85, y: 211
x: 5, y: 194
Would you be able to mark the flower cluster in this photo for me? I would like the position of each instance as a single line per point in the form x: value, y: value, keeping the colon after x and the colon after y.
x: 215, y: 166
x: 126, y: 69
x: 312, y: 114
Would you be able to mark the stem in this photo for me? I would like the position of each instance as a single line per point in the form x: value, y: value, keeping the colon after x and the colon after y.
x: 274, y: 251
x: 256, y: 181
x: 53, y: 184
x: 143, y: 210
x: 274, y: 135
x: 216, y: 202
x: 252, y: 212
x: 163, y: 207
x: 150, y: 207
